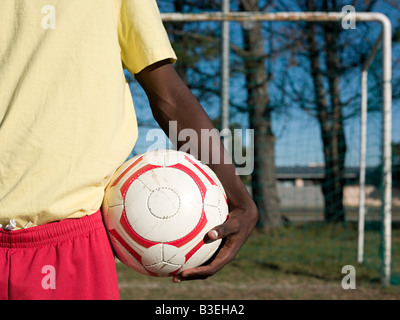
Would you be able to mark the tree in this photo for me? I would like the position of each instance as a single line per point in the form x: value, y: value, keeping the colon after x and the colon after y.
x: 259, y: 109
x: 329, y: 111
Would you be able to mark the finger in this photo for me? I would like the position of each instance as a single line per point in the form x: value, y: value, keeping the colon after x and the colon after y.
x: 229, y: 227
x: 225, y: 255
x: 199, y: 273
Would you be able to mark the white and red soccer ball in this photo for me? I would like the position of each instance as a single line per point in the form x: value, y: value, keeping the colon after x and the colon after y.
x: 158, y: 208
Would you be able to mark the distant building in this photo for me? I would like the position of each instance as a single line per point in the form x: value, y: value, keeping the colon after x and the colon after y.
x: 300, y: 176
x: 301, y: 199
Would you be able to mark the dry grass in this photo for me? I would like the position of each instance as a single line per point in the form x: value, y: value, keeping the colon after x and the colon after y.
x: 296, y: 262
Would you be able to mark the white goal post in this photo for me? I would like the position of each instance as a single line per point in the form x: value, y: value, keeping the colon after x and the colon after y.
x: 386, y: 40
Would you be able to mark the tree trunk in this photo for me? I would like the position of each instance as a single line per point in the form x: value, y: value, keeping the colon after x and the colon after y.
x: 335, y: 162
x: 263, y: 177
x: 330, y: 117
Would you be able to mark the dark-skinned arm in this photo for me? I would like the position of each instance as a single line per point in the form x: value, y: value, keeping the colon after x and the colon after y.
x: 171, y: 100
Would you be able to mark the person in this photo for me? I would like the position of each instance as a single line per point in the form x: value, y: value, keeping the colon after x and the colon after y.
x: 67, y: 123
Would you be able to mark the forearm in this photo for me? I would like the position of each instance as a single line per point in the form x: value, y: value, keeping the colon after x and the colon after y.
x: 171, y: 100
x: 175, y: 102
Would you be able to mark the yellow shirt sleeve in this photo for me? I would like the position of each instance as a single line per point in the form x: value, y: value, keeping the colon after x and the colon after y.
x: 141, y: 33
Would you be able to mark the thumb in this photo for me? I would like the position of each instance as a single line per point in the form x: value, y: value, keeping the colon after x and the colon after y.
x: 229, y: 227
x: 213, y: 234
x: 220, y: 231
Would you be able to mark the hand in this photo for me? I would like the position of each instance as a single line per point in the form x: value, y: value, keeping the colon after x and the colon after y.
x: 234, y: 231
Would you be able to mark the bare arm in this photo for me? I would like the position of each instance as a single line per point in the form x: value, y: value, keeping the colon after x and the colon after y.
x: 171, y: 100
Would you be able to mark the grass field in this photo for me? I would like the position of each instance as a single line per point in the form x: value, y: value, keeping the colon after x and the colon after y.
x: 294, y: 262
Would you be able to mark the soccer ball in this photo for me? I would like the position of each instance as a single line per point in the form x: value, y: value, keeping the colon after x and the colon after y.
x: 158, y: 208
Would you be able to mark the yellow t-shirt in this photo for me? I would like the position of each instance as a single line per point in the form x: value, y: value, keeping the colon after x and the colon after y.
x: 66, y: 114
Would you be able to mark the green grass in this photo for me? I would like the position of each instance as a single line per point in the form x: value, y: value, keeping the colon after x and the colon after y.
x: 294, y: 262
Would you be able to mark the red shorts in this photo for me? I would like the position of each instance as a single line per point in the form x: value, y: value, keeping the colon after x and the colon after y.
x: 68, y: 260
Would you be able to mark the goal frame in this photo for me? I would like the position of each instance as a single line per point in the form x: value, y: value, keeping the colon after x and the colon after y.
x: 386, y: 40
